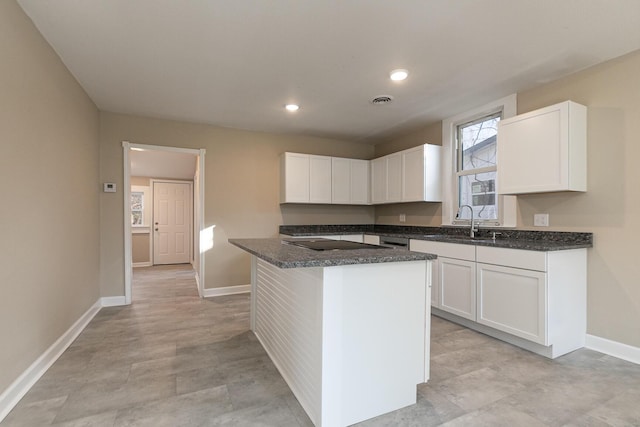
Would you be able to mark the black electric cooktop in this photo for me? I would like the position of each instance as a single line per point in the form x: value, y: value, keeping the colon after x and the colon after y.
x: 329, y: 245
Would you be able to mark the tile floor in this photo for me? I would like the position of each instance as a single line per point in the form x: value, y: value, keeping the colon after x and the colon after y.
x: 172, y: 359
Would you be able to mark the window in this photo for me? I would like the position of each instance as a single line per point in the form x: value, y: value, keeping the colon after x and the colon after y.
x: 469, y: 142
x: 477, y: 167
x: 137, y: 208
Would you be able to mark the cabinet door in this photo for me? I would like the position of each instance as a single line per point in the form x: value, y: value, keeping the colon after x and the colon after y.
x: 413, y: 175
x: 359, y: 182
x: 319, y: 179
x: 457, y: 287
x: 513, y: 300
x: 394, y: 178
x: 379, y: 180
x: 294, y: 179
x: 340, y: 180
x: 543, y: 151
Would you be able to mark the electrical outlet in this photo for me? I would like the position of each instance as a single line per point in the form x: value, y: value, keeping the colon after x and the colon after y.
x: 403, y: 217
x: 541, y: 220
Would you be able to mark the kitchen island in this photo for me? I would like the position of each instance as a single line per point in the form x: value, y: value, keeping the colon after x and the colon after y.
x: 347, y: 329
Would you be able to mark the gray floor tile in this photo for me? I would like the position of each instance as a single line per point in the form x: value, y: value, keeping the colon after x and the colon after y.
x: 32, y: 414
x: 174, y: 359
x: 271, y: 414
x: 105, y: 419
x: 186, y: 410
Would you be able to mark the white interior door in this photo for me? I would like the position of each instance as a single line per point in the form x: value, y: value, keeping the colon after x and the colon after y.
x: 171, y: 222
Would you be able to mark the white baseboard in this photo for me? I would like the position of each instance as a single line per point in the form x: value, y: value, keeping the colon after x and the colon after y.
x: 12, y: 395
x: 142, y: 264
x: 613, y: 348
x: 227, y: 290
x: 112, y: 301
x: 197, y: 277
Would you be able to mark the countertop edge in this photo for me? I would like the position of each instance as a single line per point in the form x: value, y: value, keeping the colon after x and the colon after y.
x: 288, y: 258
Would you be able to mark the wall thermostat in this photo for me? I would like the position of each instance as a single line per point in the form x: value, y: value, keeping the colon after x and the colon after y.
x: 109, y: 187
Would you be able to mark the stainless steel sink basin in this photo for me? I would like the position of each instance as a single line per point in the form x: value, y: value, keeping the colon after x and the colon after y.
x: 458, y: 238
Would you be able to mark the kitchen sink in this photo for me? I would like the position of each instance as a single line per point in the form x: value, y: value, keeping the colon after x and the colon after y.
x: 458, y: 238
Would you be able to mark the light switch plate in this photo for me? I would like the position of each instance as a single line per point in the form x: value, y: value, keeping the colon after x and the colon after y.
x: 541, y: 220
x: 403, y: 217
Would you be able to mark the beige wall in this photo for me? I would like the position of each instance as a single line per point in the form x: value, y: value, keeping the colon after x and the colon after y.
x: 611, y: 207
x: 241, y: 187
x: 49, y: 212
x: 140, y: 251
x: 425, y: 214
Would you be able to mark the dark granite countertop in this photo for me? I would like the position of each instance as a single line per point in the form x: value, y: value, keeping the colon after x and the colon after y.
x: 289, y: 256
x: 505, y: 238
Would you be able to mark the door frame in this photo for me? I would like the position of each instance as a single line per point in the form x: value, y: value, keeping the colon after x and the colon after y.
x: 192, y: 197
x: 198, y: 213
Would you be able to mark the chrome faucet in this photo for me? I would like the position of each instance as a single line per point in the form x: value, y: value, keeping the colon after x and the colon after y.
x: 474, y: 227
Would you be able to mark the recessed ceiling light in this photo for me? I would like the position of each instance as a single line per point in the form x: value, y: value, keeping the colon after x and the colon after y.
x: 398, y: 75
x: 292, y: 108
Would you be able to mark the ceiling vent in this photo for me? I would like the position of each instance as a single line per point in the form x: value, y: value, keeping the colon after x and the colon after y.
x: 382, y: 100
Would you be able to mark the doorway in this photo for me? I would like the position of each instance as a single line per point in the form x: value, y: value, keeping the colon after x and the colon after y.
x: 172, y: 220
x: 172, y: 158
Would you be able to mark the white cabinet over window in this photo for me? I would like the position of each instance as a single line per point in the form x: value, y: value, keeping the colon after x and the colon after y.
x: 544, y: 150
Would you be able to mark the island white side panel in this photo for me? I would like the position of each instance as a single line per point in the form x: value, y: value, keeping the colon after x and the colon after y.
x: 374, y: 339
x: 288, y: 323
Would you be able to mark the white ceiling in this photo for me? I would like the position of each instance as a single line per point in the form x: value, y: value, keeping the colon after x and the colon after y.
x: 236, y: 63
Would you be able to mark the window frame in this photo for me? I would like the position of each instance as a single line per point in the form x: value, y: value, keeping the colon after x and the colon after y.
x: 506, y: 205
x: 461, y: 172
x: 147, y: 207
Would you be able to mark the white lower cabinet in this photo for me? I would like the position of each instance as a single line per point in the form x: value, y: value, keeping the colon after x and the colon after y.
x: 453, y: 276
x: 532, y: 299
x: 457, y: 287
x: 513, y: 300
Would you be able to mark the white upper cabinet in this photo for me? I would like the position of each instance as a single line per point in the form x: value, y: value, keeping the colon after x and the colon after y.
x: 294, y: 178
x: 319, y: 179
x: 544, y: 150
x: 360, y: 182
x: 421, y: 174
x: 350, y: 181
x: 394, y: 178
x: 340, y: 179
x: 306, y: 178
x: 379, y: 180
x: 411, y: 175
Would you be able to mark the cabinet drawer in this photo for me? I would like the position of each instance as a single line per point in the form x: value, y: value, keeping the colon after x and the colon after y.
x: 449, y: 250
x: 530, y: 260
